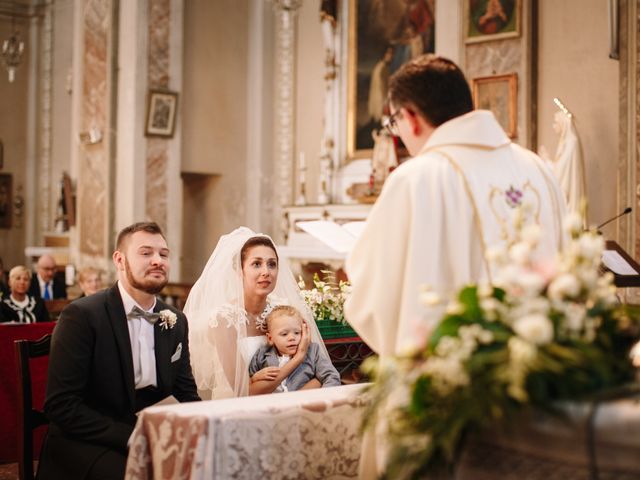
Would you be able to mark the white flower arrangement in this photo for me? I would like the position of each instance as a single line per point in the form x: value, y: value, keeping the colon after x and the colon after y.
x: 326, y: 299
x: 539, y: 334
x: 167, y: 319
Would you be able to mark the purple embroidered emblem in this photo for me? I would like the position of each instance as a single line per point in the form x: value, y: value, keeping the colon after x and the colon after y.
x: 513, y: 197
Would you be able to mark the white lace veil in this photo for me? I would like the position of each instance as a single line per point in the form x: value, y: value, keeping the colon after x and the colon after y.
x: 217, y: 320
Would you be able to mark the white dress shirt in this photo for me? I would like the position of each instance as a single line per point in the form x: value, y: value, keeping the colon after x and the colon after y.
x: 142, y: 343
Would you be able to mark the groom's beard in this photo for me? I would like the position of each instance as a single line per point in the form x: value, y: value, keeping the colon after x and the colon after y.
x: 151, y: 286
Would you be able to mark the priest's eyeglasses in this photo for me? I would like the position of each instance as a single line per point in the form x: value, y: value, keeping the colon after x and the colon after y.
x: 390, y: 123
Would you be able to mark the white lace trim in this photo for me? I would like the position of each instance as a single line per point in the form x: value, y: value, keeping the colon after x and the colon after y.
x: 235, y: 316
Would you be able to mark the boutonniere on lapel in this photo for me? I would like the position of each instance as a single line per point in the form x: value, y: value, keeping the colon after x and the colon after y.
x: 167, y: 319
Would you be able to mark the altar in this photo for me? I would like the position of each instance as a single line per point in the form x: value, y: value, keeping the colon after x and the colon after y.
x: 313, y: 434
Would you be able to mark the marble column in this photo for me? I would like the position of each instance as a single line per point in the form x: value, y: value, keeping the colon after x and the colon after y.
x: 94, y: 160
x: 286, y: 15
x: 158, y: 79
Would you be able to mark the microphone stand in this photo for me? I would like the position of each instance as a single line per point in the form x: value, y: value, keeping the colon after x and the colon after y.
x: 626, y: 211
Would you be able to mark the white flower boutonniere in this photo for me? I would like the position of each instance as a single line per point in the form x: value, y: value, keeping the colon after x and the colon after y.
x: 168, y: 319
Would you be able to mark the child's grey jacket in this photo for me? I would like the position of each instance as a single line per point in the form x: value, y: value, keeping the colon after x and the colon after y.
x: 315, y: 365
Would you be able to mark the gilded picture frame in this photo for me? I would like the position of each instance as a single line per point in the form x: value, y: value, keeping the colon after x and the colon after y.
x: 499, y: 93
x: 161, y: 113
x: 382, y: 36
x: 487, y: 20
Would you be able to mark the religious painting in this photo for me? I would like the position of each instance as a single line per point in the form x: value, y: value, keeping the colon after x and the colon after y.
x: 5, y: 200
x: 383, y: 35
x: 161, y: 113
x: 491, y: 19
x: 498, y: 93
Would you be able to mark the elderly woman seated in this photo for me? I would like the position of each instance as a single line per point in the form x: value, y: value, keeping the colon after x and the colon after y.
x: 90, y: 281
x: 19, y: 306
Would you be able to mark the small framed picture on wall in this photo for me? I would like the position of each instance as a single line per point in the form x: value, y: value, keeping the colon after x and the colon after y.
x: 161, y: 113
x: 487, y: 20
x: 498, y: 93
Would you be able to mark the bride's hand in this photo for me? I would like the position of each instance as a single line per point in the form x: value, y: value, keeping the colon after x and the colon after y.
x: 305, y: 341
x: 267, y: 373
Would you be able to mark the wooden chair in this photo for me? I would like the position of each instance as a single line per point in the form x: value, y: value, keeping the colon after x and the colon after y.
x: 28, y: 417
x: 54, y: 307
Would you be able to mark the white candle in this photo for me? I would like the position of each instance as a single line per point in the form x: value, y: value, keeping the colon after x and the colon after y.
x: 301, y: 168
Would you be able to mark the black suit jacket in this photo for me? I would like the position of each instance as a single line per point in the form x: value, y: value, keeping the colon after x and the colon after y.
x: 59, y: 288
x: 91, y: 398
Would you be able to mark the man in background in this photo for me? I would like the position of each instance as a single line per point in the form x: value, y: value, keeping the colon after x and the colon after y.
x: 45, y: 283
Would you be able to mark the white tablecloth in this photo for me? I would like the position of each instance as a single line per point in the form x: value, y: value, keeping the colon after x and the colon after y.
x: 306, y: 434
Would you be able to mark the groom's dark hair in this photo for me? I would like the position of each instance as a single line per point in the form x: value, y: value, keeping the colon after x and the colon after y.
x: 126, y: 232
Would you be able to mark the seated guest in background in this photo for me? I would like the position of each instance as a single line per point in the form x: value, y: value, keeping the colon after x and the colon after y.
x: 19, y: 306
x: 4, y: 285
x: 90, y: 281
x: 46, y: 284
x: 114, y: 353
x: 290, y: 360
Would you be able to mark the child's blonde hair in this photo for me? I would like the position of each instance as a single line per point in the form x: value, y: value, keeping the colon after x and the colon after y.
x: 283, y: 311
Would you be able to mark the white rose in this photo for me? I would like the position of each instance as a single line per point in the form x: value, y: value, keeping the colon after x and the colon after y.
x: 574, y: 316
x: 535, y: 328
x: 531, y: 282
x: 430, y: 298
x: 496, y: 254
x: 520, y: 253
x: 573, y: 223
x: 591, y: 246
x: 565, y: 285
x: 531, y: 233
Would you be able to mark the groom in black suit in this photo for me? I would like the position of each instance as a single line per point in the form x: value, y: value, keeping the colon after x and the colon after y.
x: 113, y: 354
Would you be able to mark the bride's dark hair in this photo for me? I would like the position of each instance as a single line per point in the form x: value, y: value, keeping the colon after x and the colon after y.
x: 253, y: 242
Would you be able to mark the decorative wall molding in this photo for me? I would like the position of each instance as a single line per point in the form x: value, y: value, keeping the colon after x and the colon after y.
x: 286, y: 15
x: 46, y: 210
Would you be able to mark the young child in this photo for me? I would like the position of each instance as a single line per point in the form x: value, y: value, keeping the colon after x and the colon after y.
x: 284, y: 334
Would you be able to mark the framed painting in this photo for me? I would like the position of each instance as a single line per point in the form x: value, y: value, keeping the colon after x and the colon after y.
x: 499, y: 94
x: 382, y: 37
x: 6, y: 201
x: 491, y: 19
x: 161, y: 113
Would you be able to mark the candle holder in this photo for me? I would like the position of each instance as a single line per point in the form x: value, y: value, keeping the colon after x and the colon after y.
x: 301, y: 199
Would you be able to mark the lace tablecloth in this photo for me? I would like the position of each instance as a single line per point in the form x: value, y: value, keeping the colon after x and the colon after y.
x: 307, y: 434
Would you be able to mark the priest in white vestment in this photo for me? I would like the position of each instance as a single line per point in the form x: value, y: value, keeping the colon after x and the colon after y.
x: 439, y: 211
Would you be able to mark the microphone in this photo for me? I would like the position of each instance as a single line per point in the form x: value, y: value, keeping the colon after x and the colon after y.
x: 622, y: 214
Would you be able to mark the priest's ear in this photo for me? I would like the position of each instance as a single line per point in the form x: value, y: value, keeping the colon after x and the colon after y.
x: 415, y: 120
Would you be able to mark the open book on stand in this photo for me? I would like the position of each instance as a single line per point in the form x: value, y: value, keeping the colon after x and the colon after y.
x: 626, y: 271
x: 339, y: 237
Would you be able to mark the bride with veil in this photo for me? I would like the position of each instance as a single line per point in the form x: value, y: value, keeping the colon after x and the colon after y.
x: 227, y: 309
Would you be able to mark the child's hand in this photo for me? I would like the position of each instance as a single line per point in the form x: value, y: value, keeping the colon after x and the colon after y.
x: 305, y: 341
x: 267, y: 373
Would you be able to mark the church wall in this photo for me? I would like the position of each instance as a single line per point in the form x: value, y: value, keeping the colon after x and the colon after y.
x: 574, y: 65
x: 61, y: 78
x: 13, y: 134
x: 310, y: 90
x: 214, y: 119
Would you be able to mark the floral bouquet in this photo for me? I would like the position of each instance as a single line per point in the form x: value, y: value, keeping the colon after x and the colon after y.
x: 538, y: 335
x: 326, y: 299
